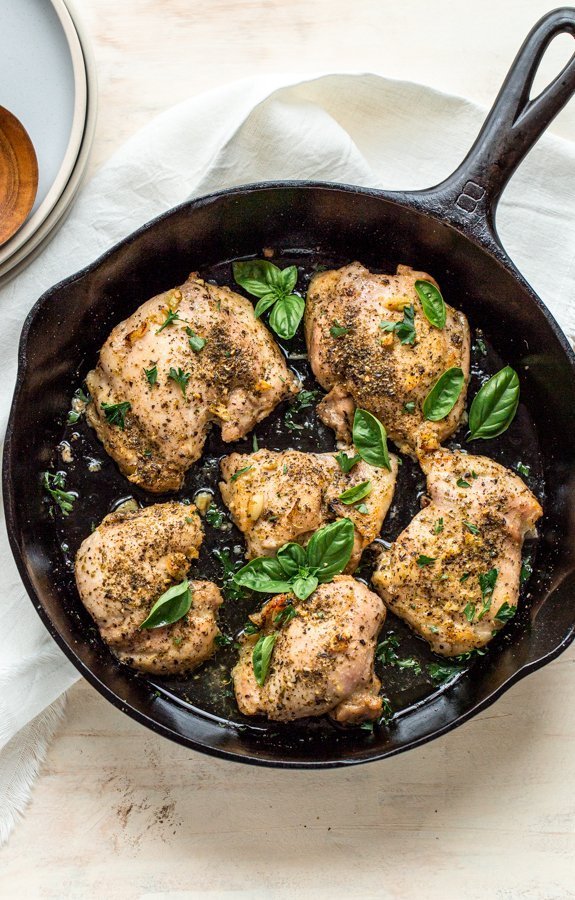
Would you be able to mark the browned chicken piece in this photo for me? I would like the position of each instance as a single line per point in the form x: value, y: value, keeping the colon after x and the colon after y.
x: 125, y: 565
x: 370, y: 368
x: 279, y: 497
x: 225, y: 368
x: 322, y: 659
x: 454, y: 573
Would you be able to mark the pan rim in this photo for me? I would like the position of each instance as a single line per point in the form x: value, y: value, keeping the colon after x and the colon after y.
x: 410, y: 200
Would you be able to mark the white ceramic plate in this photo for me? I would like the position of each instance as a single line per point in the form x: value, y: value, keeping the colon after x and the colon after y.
x: 47, y: 80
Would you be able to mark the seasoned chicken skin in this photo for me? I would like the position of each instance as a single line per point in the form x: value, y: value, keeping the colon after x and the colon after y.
x: 322, y: 659
x: 235, y: 379
x: 457, y: 564
x: 287, y: 496
x: 370, y: 368
x: 125, y: 565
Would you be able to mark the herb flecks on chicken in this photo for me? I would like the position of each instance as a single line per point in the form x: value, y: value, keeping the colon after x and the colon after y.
x: 282, y: 497
x: 237, y: 379
x: 321, y: 658
x: 387, y: 354
x: 125, y: 566
x: 454, y: 574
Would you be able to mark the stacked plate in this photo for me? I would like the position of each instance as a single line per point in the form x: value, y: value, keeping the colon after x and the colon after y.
x: 47, y: 80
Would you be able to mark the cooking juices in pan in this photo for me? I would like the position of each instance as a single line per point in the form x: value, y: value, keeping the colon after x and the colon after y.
x: 409, y: 671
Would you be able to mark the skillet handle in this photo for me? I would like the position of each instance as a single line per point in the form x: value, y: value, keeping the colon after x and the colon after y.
x: 469, y: 197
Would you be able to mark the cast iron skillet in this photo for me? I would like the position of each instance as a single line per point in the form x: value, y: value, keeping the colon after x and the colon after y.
x: 449, y: 231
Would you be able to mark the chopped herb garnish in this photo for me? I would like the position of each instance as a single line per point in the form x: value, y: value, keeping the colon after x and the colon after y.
x: 464, y: 577
x: 79, y: 399
x: 181, y: 378
x: 230, y: 589
x: 471, y: 528
x: 237, y: 474
x: 345, y: 462
x: 469, y: 612
x: 438, y: 527
x: 462, y: 483
x: 440, y: 672
x: 480, y: 344
x: 487, y: 582
x: 151, y: 375
x: 54, y: 484
x: 214, y: 516
x: 172, y: 316
x: 409, y: 407
x: 526, y: 570
x: 196, y: 342
x: 251, y: 628
x: 423, y: 560
x: 386, y: 652
x: 338, y: 330
x: 301, y: 401
x: 116, y: 412
x: 362, y: 508
x: 255, y: 445
x: 223, y: 640
x: 523, y: 469
x: 405, y: 328
x: 505, y: 612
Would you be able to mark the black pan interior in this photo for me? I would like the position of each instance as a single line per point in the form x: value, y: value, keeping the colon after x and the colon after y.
x: 309, y: 226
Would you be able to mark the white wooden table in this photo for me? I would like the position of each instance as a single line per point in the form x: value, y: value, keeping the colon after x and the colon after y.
x: 489, y: 810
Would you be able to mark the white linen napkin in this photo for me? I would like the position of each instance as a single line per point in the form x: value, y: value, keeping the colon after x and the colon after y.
x: 361, y: 129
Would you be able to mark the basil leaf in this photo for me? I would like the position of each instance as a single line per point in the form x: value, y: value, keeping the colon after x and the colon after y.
x: 264, y: 304
x: 338, y: 330
x: 443, y: 395
x: 171, y: 606
x: 258, y: 277
x: 405, y: 328
x: 487, y: 582
x: 286, y: 315
x: 261, y: 656
x: 355, y: 493
x: 289, y: 279
x: 291, y: 558
x: 264, y: 575
x: 495, y: 405
x: 330, y: 548
x: 432, y: 303
x: 304, y: 585
x: 370, y: 439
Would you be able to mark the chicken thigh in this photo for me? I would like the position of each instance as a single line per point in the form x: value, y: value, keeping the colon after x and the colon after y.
x: 125, y: 565
x: 279, y: 497
x: 454, y: 573
x: 322, y: 660
x: 184, y: 359
x: 363, y: 365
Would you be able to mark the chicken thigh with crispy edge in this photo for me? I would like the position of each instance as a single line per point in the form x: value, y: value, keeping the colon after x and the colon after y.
x: 235, y: 378
x: 322, y: 660
x: 370, y: 368
x: 457, y: 564
x: 287, y: 496
x: 125, y: 565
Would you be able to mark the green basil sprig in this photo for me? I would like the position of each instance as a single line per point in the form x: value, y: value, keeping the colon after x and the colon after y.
x: 494, y: 406
x: 274, y: 288
x: 174, y: 604
x: 297, y: 569
x: 443, y: 395
x: 261, y: 656
x: 405, y: 328
x: 432, y: 303
x: 370, y: 439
